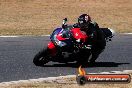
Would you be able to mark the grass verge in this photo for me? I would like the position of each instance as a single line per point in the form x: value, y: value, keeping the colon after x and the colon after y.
x: 68, y: 83
x: 40, y: 17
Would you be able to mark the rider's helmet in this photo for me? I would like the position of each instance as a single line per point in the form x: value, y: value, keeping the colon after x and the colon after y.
x: 83, y: 21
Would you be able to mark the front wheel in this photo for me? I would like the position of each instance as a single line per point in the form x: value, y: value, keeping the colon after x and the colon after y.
x: 41, y: 58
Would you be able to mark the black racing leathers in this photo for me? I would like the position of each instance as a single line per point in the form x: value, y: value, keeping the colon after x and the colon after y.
x: 97, y: 39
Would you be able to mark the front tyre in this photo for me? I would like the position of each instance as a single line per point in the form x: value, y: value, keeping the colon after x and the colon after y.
x: 41, y: 58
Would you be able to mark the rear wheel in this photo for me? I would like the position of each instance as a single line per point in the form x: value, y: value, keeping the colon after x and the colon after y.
x: 83, y: 58
x: 41, y: 58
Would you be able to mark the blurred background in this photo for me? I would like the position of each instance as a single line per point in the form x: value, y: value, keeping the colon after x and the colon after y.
x: 40, y: 17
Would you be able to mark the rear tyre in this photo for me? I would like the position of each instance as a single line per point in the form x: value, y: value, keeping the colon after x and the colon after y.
x: 83, y: 58
x: 82, y: 61
x: 41, y: 58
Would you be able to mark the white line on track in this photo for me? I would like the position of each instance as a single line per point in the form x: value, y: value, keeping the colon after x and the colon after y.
x: 9, y: 36
x: 42, y: 35
x: 127, y: 33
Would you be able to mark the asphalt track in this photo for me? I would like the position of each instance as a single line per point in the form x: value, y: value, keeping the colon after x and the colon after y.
x: 16, y: 55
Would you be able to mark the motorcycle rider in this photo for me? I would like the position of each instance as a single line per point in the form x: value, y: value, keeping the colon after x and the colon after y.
x: 97, y: 39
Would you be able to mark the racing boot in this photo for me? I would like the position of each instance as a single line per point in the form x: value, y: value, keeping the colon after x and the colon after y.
x: 95, y: 55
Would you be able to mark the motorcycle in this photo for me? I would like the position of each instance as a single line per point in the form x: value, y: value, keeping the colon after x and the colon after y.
x: 67, y: 44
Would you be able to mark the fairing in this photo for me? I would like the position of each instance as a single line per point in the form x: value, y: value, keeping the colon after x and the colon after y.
x: 78, y: 34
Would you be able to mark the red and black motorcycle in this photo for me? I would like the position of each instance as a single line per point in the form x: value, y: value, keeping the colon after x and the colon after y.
x: 67, y: 44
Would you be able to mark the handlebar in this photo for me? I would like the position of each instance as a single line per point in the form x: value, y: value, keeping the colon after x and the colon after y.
x: 64, y: 23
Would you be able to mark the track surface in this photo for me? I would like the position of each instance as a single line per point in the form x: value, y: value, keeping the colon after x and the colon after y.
x: 16, y: 55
